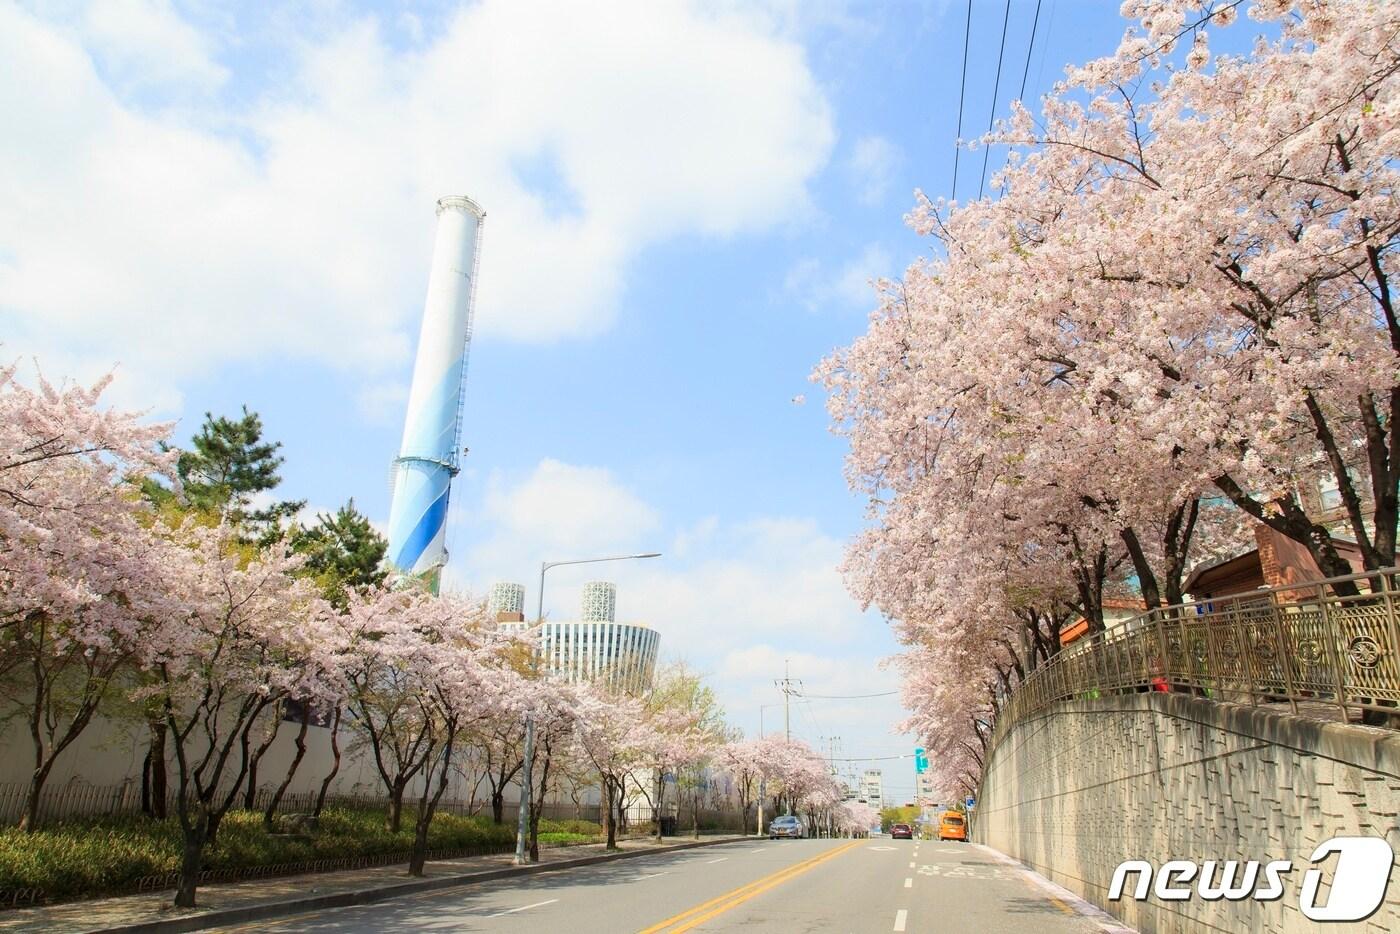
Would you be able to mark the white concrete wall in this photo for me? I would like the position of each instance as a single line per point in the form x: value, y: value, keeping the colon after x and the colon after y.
x: 1079, y: 789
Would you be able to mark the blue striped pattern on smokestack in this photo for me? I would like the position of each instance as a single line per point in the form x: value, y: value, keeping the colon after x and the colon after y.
x: 428, y: 458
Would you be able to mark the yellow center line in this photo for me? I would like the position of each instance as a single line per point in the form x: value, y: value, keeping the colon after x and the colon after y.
x: 715, y: 901
x: 718, y: 906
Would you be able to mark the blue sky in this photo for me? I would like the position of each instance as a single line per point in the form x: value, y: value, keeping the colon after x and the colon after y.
x: 234, y: 204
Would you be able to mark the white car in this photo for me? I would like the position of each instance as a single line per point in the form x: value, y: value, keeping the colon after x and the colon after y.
x: 786, y: 826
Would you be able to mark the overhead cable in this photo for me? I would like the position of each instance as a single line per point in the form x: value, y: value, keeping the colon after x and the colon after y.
x: 962, y: 96
x: 996, y: 90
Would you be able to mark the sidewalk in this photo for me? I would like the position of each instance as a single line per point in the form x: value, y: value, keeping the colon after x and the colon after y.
x: 241, y: 902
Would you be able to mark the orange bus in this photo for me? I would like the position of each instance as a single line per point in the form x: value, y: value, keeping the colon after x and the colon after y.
x: 952, y: 826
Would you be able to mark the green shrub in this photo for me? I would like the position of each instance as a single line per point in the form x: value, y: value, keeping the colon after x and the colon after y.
x: 586, y: 827
x: 79, y: 858
x: 560, y: 838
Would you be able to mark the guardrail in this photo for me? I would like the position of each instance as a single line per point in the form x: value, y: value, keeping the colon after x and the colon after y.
x: 1332, y: 642
x: 77, y: 799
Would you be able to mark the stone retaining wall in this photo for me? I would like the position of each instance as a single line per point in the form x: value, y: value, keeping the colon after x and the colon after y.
x: 1077, y: 790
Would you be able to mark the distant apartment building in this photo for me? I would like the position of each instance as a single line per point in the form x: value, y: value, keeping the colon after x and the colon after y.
x: 872, y: 788
x: 596, y: 647
x: 924, y: 792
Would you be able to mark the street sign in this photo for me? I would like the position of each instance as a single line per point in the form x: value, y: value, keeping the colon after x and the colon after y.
x: 920, y: 760
x: 970, y: 803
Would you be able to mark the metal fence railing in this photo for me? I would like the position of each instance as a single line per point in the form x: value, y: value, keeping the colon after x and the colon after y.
x: 81, y: 800
x: 1332, y: 642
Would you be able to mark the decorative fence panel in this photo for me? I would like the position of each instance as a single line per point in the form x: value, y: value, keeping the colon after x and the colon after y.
x: 1333, y: 642
x: 77, y: 799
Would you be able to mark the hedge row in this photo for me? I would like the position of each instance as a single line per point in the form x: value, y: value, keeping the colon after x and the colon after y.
x: 84, y: 858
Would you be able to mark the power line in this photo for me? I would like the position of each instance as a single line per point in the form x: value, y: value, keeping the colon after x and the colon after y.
x: 847, y: 696
x: 1026, y: 71
x: 872, y: 758
x: 1029, y: 49
x: 962, y: 95
x: 1045, y: 46
x: 996, y: 90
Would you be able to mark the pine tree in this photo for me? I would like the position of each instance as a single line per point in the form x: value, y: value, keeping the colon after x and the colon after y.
x: 344, y: 551
x: 227, y: 466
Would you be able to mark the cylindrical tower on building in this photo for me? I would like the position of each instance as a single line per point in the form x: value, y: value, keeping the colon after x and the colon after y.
x: 427, y: 460
x: 507, y: 602
x: 599, y: 602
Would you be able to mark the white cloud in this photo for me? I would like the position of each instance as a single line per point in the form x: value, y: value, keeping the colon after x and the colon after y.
x: 872, y: 166
x: 735, y: 599
x: 559, y: 512
x: 145, y: 44
x: 301, y: 225
x: 849, y: 285
x: 718, y: 586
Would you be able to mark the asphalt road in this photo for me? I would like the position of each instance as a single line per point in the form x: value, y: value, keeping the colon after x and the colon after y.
x: 755, y: 886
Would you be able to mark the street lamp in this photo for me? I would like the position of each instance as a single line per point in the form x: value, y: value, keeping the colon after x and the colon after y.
x: 762, y: 779
x: 526, y: 783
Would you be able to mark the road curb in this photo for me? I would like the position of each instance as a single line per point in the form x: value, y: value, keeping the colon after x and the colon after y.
x: 296, y: 906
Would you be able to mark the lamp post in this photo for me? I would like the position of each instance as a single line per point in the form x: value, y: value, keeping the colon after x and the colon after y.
x: 762, y: 779
x: 522, y: 824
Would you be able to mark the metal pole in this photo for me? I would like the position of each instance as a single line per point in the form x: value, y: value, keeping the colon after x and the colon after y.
x: 787, y: 697
x: 523, y: 816
x: 522, y: 825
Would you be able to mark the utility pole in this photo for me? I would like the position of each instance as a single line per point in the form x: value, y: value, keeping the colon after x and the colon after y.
x: 786, y: 686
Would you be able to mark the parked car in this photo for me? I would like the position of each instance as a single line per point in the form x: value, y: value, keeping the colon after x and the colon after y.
x: 901, y: 832
x: 952, y: 826
x: 786, y: 826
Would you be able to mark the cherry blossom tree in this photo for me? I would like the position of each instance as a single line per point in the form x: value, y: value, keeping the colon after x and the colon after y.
x: 687, y: 727
x: 426, y: 672
x: 613, y: 734
x: 501, y: 749
x: 855, y: 818
x: 554, y: 706
x: 1178, y: 296
x: 740, y: 760
x: 251, y: 635
x: 83, y: 576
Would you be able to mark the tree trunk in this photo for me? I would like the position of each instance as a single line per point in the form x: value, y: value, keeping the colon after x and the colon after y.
x: 427, y: 806
x: 146, y: 785
x: 659, y: 801
x: 250, y: 794
x: 335, y: 764
x: 160, y: 784
x: 396, y: 806
x: 191, y: 861
x: 539, y: 806
x: 29, y: 818
x: 272, y: 805
x: 609, y: 821
x: 695, y: 813
x: 216, y: 817
x: 498, y: 805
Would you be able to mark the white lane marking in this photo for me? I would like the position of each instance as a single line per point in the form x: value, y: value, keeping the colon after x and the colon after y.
x: 654, y: 875
x: 882, y: 848
x: 901, y: 917
x: 511, y: 911
x: 908, y: 883
x: 713, y: 861
x: 911, y: 865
